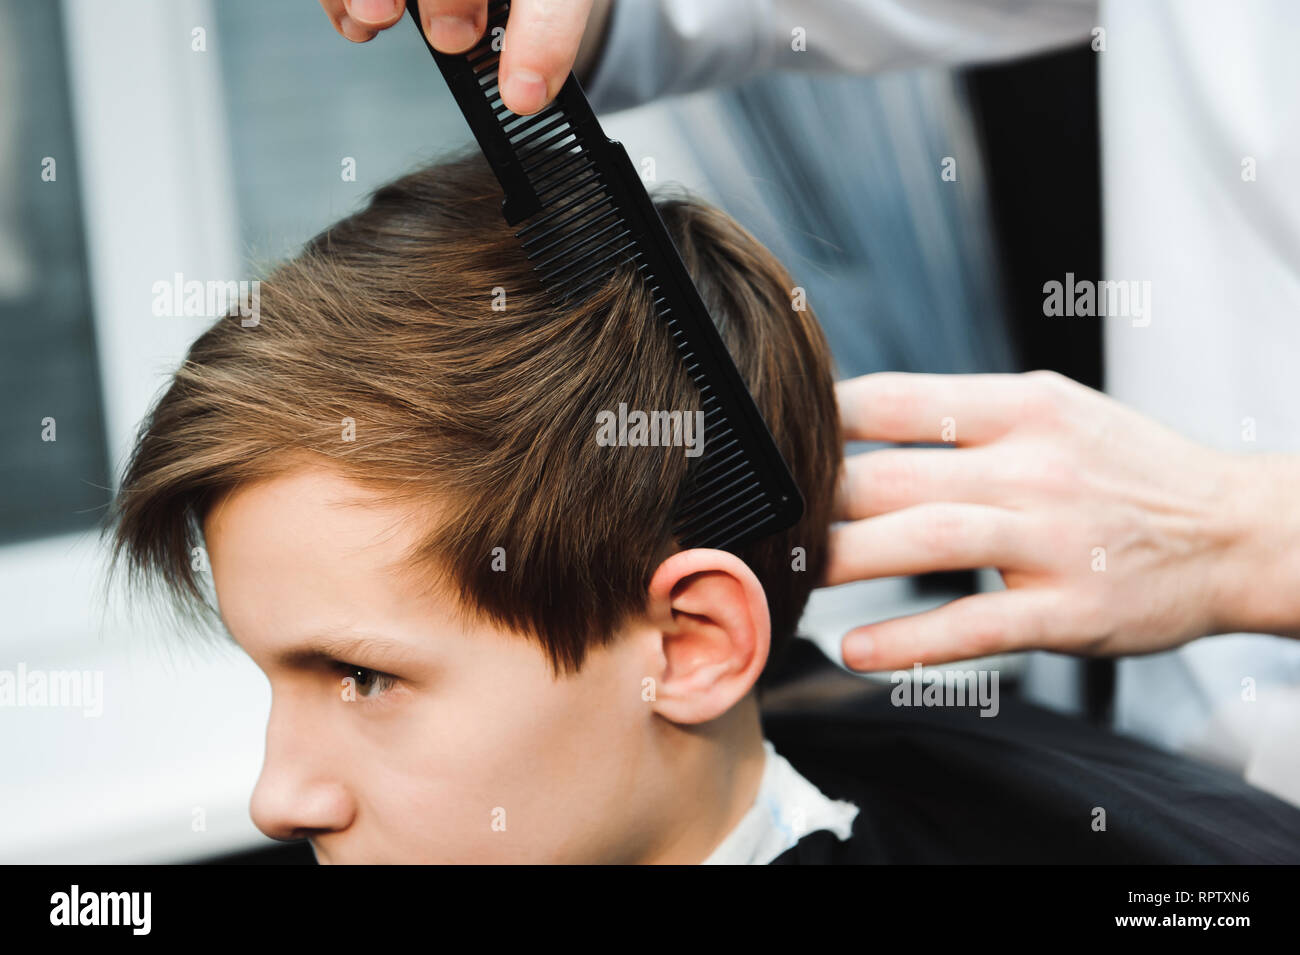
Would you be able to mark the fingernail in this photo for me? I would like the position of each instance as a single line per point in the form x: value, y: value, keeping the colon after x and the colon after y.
x: 857, y: 650
x: 452, y: 34
x: 524, y: 91
x: 373, y: 11
x: 354, y: 31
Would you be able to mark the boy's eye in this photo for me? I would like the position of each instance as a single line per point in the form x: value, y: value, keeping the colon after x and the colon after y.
x: 369, y: 683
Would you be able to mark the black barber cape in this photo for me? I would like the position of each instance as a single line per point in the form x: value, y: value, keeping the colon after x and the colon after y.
x: 945, y: 785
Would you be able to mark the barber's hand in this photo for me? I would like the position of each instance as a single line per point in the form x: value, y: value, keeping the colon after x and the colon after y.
x: 543, y: 38
x: 1113, y: 534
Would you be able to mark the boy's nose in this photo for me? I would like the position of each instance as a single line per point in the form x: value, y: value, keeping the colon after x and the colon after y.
x: 289, y: 810
x: 297, y: 797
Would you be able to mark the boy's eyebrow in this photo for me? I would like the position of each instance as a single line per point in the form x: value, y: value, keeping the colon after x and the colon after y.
x: 354, y: 648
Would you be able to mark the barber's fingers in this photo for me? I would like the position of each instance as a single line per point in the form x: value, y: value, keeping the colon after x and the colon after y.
x: 541, y: 44
x: 375, y: 14
x: 929, y: 538
x: 453, y: 26
x: 355, y: 31
x: 980, y: 625
x: 537, y: 51
x: 889, y: 479
x: 950, y: 409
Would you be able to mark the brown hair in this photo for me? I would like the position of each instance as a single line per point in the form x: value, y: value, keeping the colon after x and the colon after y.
x: 486, y: 414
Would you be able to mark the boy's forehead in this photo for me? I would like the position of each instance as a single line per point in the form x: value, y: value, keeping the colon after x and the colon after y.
x: 306, y: 554
x: 306, y: 513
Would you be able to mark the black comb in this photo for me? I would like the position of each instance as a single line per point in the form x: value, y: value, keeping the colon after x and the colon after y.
x: 584, y: 212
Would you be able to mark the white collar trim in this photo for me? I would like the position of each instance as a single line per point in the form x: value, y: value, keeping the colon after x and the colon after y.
x: 786, y: 808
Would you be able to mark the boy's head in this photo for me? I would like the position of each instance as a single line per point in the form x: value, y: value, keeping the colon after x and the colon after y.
x: 482, y: 640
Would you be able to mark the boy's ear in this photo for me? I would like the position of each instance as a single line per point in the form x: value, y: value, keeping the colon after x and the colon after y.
x: 710, y: 613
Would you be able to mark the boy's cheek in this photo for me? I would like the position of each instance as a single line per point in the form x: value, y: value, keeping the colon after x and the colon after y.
x: 492, y: 800
x: 522, y: 771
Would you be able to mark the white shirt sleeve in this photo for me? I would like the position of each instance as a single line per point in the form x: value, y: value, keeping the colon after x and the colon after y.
x: 662, y: 47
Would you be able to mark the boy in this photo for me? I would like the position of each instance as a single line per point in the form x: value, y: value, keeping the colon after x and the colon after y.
x: 482, y: 642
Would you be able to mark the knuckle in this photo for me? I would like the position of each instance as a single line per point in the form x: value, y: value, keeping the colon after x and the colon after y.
x: 1044, y: 396
x: 886, y: 478
x: 1045, y: 375
x: 1058, y: 471
x: 986, y: 633
x: 943, y: 531
x: 892, y: 401
x: 1049, y: 471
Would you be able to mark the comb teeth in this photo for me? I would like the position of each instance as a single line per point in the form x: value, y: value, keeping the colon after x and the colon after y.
x: 585, y: 213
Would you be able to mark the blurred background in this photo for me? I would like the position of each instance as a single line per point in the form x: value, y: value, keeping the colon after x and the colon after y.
x: 141, y: 140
